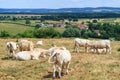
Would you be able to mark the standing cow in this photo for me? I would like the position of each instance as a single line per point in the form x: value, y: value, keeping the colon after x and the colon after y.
x: 81, y: 43
x: 61, y: 58
x: 102, y: 44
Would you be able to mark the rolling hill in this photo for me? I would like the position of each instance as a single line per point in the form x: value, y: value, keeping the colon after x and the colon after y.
x: 73, y: 10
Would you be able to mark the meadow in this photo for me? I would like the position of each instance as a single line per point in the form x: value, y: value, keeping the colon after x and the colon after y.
x: 14, y: 29
x: 84, y: 66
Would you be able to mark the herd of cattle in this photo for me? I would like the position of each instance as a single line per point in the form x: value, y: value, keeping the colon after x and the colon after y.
x: 59, y: 56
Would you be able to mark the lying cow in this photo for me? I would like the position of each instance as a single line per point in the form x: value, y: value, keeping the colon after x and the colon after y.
x: 39, y: 43
x: 11, y: 47
x: 30, y: 55
x: 25, y: 45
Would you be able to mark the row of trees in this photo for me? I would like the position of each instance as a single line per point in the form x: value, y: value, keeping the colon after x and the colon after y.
x: 61, y: 16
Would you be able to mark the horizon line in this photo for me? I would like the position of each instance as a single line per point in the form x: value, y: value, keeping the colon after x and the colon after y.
x: 60, y: 8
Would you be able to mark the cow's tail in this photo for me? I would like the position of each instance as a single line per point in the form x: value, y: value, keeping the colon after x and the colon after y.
x: 49, y: 60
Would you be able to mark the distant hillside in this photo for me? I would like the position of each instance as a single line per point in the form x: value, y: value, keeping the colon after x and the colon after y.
x: 87, y: 9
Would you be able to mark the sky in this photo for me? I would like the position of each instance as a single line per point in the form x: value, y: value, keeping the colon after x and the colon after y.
x: 55, y: 4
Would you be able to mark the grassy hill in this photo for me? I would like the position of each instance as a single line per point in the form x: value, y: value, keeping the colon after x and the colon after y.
x: 13, y: 28
x: 84, y: 66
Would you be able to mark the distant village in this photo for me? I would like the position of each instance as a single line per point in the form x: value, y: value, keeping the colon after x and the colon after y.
x: 62, y: 24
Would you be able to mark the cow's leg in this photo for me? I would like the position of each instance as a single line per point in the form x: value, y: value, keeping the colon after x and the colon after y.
x: 97, y: 50
x: 94, y: 50
x: 106, y: 50
x: 67, y: 67
x: 109, y: 50
x: 54, y: 70
x: 9, y: 54
x: 13, y: 53
x: 60, y: 69
x: 76, y: 48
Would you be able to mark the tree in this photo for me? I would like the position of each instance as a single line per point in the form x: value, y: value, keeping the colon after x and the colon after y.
x: 46, y: 33
x: 14, y: 18
x: 94, y: 21
x: 42, y: 20
x: 71, y: 32
x: 70, y: 19
x: 75, y: 20
x: 27, y: 22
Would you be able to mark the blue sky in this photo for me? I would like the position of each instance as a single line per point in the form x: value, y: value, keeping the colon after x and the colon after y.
x: 58, y: 3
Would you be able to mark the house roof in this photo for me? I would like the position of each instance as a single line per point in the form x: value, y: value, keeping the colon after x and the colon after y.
x: 82, y: 26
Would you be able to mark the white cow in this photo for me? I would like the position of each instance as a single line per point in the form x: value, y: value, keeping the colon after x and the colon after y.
x: 81, y: 43
x: 61, y: 58
x: 24, y: 55
x: 51, y: 50
x: 25, y: 45
x: 102, y: 44
x: 11, y: 47
x: 41, y: 52
x: 29, y: 55
x: 39, y: 43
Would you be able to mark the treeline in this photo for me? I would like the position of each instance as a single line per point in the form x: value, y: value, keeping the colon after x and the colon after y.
x: 106, y: 31
x: 60, y: 16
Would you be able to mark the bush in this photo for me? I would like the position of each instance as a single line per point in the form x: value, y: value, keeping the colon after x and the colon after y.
x: 4, y: 34
x: 38, y: 26
x: 46, y: 33
x: 118, y: 49
x: 71, y: 32
x: 27, y: 21
x: 27, y: 33
x: 94, y: 21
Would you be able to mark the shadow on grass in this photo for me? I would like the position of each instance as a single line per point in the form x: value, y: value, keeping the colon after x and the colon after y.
x: 7, y: 58
x: 50, y: 75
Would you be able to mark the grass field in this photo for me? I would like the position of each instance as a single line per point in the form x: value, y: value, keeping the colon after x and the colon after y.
x: 13, y: 28
x: 84, y: 66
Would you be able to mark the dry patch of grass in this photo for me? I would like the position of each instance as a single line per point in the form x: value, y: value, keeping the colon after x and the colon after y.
x: 84, y: 66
